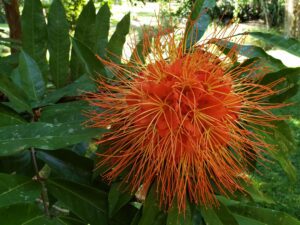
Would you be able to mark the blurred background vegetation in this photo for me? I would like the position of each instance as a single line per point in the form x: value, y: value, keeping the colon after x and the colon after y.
x: 274, y: 16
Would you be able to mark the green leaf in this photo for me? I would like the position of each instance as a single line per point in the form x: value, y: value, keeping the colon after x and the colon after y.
x: 34, y: 33
x: 140, y: 52
x: 290, y: 45
x: 101, y: 30
x: 242, y: 220
x: 29, y: 214
x: 267, y: 216
x: 198, y: 22
x: 87, y: 203
x: 85, y: 33
x: 284, y: 139
x: 17, y: 189
x: 67, y: 220
x: 20, y: 164
x: 75, y: 168
x: 77, y: 88
x: 46, y: 136
x: 59, y: 44
x: 92, y: 64
x: 125, y: 216
x: 117, y: 199
x: 151, y: 212
x: 218, y: 216
x: 117, y: 40
x: 255, y: 194
x: 8, y: 64
x: 176, y: 218
x: 9, y: 117
x: 251, y: 51
x: 65, y: 112
x: 14, y: 94
x: 290, y: 85
x: 31, y: 78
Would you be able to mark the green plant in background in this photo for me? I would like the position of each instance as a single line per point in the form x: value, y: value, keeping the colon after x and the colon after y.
x: 47, y: 157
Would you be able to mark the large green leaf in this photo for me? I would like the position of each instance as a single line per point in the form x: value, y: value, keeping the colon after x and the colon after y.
x: 20, y: 164
x: 116, y: 198
x: 151, y: 212
x: 29, y: 214
x: 46, y: 136
x: 198, y: 21
x: 8, y: 64
x: 92, y: 65
x: 59, y: 44
x: 242, y: 220
x: 31, y: 78
x: 101, y: 30
x: 17, y: 189
x: 117, y: 40
x: 77, y: 88
x: 290, y: 45
x: 219, y: 215
x: 176, y: 218
x: 87, y: 203
x: 34, y: 33
x: 85, y: 33
x: 251, y: 51
x: 9, y: 117
x: 290, y: 85
x: 283, y: 138
x: 15, y: 95
x: 267, y: 216
x: 65, y: 112
x: 75, y: 168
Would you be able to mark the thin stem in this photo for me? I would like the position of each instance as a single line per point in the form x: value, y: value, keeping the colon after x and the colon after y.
x: 44, y: 194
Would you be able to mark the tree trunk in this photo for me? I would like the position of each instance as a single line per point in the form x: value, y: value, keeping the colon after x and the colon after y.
x: 12, y: 14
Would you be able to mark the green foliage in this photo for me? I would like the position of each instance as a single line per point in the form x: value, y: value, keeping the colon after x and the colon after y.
x: 46, y: 148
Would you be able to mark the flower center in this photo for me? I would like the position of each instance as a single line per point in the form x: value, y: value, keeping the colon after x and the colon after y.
x: 191, y: 98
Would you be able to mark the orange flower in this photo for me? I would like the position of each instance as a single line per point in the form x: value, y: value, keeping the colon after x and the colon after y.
x: 184, y: 120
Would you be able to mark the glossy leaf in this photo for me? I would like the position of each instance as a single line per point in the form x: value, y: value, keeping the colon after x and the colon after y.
x: 92, y: 64
x: 117, y: 40
x: 31, y: 78
x: 46, y: 136
x: 8, y: 64
x: 17, y: 189
x: 101, y: 30
x: 59, y: 44
x: 29, y: 214
x: 218, y: 216
x: 14, y: 94
x: 77, y: 88
x: 176, y: 218
x: 65, y: 112
x: 87, y: 203
x: 85, y: 33
x: 285, y: 144
x: 198, y: 21
x: 242, y: 220
x: 75, y: 168
x: 9, y: 117
x: 117, y: 199
x: 251, y: 51
x: 34, y: 33
x: 290, y: 45
x: 290, y: 85
x: 20, y: 163
x: 151, y: 212
x: 267, y: 216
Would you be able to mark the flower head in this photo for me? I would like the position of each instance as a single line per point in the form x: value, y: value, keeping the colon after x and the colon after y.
x: 184, y: 119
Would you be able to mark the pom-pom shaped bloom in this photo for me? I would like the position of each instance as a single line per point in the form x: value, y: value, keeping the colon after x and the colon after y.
x: 185, y: 120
